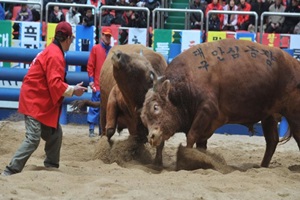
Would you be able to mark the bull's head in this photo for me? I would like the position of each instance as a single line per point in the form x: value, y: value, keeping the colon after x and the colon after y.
x: 159, y: 115
x: 134, y: 76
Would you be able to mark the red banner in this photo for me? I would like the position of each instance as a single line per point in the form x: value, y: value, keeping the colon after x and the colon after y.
x: 271, y: 39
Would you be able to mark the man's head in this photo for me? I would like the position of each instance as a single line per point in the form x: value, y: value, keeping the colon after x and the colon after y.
x: 56, y: 8
x: 64, y: 34
x: 215, y: 2
x: 106, y: 35
x: 89, y: 12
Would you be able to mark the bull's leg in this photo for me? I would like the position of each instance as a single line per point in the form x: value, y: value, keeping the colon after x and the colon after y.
x: 201, y: 144
x: 269, y: 126
x: 111, y: 116
x: 158, y: 155
x: 203, y: 126
x: 103, y: 120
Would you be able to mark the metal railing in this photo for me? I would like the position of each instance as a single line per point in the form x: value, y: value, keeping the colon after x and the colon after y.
x: 176, y: 10
x: 27, y: 2
x: 126, y: 8
x: 71, y: 5
x: 231, y: 12
x: 273, y: 13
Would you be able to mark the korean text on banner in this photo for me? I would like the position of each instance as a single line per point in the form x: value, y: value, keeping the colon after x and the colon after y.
x: 137, y: 36
x: 30, y: 35
x: 190, y: 38
x: 161, y: 41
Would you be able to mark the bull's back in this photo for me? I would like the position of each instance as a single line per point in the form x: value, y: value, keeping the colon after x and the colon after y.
x: 237, y: 72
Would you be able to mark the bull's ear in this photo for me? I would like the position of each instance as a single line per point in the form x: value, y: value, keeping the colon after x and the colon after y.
x: 165, y: 88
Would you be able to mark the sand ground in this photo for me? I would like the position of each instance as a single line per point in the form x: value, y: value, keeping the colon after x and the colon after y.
x: 85, y: 174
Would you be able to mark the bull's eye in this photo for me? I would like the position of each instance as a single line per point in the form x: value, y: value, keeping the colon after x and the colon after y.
x: 156, y: 109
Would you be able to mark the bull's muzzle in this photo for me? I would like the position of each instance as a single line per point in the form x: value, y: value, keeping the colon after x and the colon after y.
x: 154, y: 138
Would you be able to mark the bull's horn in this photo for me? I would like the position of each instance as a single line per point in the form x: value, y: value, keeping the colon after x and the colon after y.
x: 141, y: 52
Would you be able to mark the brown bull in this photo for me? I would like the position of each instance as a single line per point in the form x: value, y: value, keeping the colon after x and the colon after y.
x: 229, y: 81
x: 124, y: 81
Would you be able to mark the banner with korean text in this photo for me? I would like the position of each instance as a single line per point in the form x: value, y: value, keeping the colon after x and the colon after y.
x: 30, y: 34
x: 162, y: 38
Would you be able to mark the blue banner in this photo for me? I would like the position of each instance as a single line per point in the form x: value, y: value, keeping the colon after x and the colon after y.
x: 85, y: 38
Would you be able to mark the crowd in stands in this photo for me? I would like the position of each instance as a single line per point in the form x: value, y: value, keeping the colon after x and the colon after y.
x: 129, y: 18
x: 79, y: 15
x: 233, y: 22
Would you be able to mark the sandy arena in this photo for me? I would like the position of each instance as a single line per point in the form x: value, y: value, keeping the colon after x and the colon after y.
x: 90, y: 169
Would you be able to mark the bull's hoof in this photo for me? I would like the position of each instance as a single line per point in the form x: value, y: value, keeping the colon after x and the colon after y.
x: 109, y: 133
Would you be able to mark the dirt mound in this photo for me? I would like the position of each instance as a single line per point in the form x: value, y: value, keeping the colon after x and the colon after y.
x: 122, y: 151
x: 192, y: 159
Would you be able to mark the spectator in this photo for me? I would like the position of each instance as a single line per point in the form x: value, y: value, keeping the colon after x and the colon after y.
x: 214, y: 22
x: 36, y: 11
x: 119, y: 13
x: 195, y: 17
x: 56, y: 15
x: 230, y: 20
x: 2, y: 13
x: 151, y: 5
x: 24, y: 14
x: 73, y: 16
x: 97, y: 4
x: 130, y: 19
x: 258, y: 6
x: 297, y: 28
x: 275, y: 21
x: 88, y: 19
x: 290, y: 22
x: 215, y: 5
x: 107, y: 18
x: 244, y: 20
x: 97, y: 56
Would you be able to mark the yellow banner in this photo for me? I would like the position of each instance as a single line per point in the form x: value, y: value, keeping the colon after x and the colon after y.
x: 50, y: 32
x: 215, y: 35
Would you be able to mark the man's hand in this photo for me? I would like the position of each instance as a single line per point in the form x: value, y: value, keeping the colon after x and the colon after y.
x: 79, y: 89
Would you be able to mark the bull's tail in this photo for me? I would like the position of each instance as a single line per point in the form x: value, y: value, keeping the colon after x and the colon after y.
x: 287, y: 136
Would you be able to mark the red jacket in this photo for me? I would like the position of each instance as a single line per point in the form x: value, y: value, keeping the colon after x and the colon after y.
x: 95, y: 62
x: 217, y: 6
x: 43, y: 86
x: 244, y: 18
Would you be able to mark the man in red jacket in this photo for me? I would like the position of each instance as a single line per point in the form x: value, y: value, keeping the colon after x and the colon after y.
x: 43, y: 90
x: 94, y: 66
